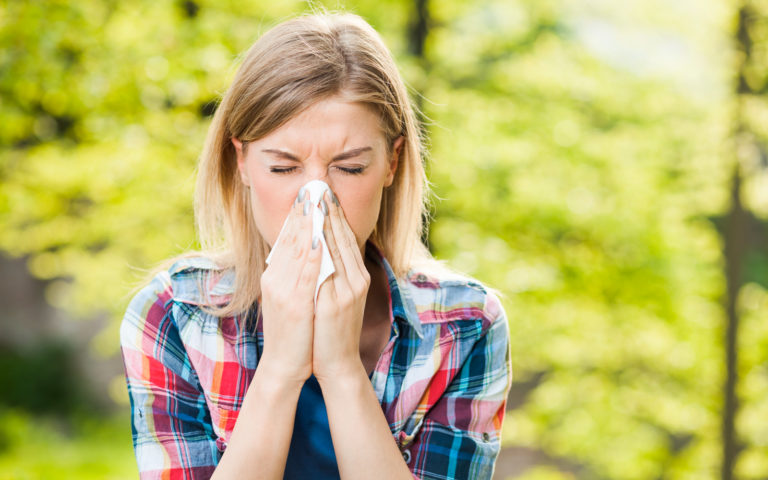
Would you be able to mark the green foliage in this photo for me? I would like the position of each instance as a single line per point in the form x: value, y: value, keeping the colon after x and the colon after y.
x: 44, y: 379
x: 545, y: 473
x: 34, y: 447
x: 583, y: 183
x: 587, y: 204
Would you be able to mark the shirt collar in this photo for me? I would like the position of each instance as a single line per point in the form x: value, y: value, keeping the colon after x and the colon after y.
x: 403, y: 308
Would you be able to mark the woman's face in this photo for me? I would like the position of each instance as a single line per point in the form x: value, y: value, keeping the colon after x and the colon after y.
x: 334, y: 140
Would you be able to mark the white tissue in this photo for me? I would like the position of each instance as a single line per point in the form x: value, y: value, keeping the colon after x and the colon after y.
x: 315, y: 189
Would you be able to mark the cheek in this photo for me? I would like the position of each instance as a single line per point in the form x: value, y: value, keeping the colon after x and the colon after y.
x: 361, y: 208
x: 271, y: 202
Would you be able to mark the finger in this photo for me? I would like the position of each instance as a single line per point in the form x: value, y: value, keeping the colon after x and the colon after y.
x: 333, y: 248
x: 346, y: 241
x: 350, y: 237
x: 286, y: 236
x: 310, y: 268
x: 295, y: 240
x: 327, y: 291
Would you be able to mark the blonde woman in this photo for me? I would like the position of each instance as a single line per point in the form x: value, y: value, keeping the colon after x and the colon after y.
x: 390, y: 366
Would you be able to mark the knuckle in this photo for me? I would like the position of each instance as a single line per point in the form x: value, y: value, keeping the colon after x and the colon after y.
x: 306, y: 276
x: 360, y: 292
x: 297, y: 253
x: 343, y: 241
x: 291, y: 238
x: 346, y: 297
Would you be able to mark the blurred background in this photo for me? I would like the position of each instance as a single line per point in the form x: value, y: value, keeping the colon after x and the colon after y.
x: 602, y: 163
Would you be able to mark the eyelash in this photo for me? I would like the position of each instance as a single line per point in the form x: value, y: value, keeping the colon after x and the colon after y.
x: 348, y: 171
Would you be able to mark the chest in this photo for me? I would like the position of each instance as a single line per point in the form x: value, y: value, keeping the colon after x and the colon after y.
x: 224, y: 360
x: 373, y: 339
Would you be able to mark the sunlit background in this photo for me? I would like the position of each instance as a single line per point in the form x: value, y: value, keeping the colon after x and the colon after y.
x: 603, y: 163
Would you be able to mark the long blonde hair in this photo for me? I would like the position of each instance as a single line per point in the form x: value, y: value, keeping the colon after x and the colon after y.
x: 292, y: 66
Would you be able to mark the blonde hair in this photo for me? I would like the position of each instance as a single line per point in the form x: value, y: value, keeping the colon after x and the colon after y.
x: 292, y: 66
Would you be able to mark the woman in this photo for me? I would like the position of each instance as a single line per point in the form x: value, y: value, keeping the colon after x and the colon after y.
x: 236, y: 368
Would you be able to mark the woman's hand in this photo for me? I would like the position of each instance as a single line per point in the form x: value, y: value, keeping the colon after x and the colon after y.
x: 287, y: 298
x: 341, y: 302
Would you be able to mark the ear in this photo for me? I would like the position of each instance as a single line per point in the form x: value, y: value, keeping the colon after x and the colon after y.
x: 240, y: 159
x: 397, y: 148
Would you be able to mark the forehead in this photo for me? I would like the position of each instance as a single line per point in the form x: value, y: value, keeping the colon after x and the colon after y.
x: 331, y: 120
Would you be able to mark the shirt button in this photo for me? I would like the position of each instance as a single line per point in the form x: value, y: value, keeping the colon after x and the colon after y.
x: 407, y: 455
x: 486, y: 437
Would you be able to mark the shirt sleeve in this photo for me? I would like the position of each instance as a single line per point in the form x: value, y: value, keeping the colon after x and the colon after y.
x: 460, y: 435
x: 171, y: 425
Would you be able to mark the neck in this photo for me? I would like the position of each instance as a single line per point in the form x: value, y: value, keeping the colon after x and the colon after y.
x: 376, y: 303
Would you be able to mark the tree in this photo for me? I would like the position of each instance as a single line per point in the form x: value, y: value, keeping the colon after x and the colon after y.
x: 581, y: 167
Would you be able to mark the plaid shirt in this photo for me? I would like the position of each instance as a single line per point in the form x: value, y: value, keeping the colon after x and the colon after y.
x: 442, y: 379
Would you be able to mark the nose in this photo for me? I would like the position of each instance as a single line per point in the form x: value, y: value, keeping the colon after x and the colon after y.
x: 318, y: 171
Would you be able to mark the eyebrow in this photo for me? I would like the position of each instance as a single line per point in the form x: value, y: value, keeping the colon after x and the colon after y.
x: 342, y: 156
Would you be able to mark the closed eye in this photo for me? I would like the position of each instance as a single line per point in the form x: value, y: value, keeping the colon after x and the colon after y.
x: 352, y: 170
x: 281, y: 169
x: 346, y: 170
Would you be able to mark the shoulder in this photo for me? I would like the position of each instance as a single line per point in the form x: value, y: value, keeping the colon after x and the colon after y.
x: 155, y: 330
x: 199, y: 280
x: 194, y: 280
x: 441, y: 295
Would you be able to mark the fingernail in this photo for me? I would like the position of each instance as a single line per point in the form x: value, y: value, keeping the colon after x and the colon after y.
x: 315, y: 242
x: 335, y: 200
x: 302, y: 192
x: 307, y: 206
x: 324, y: 207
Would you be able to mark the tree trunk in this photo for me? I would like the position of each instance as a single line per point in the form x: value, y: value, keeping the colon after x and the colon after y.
x: 735, y: 249
x: 417, y: 33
